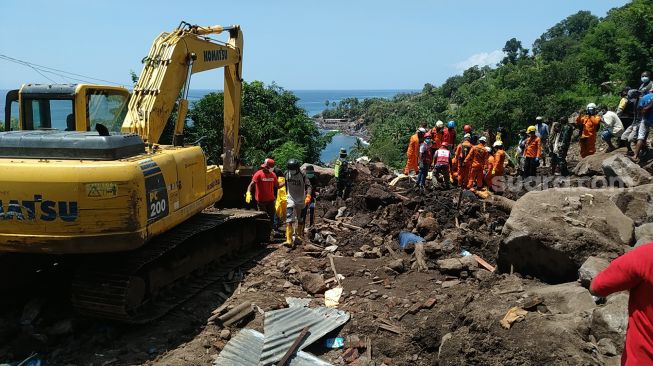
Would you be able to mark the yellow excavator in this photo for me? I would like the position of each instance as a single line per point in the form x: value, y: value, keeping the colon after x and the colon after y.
x: 140, y: 214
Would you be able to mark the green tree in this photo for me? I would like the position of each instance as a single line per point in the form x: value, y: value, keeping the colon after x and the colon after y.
x: 271, y: 124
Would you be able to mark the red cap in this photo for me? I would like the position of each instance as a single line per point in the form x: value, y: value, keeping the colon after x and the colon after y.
x: 268, y: 163
x: 444, y: 144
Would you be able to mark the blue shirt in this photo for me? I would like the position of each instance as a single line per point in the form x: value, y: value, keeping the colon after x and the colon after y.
x: 646, y: 100
x: 542, y: 130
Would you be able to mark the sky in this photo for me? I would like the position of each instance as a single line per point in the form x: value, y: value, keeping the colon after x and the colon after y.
x: 336, y: 44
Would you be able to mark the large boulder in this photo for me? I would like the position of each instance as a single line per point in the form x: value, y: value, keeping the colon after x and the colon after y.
x: 611, y: 320
x: 592, y: 165
x: 590, y: 269
x: 322, y: 174
x: 644, y: 234
x: 636, y: 203
x: 626, y: 172
x: 549, y: 234
x: 565, y: 298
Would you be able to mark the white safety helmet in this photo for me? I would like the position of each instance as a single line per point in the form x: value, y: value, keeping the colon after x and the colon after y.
x: 421, y: 129
x: 439, y: 124
x: 539, y: 118
x: 497, y: 143
x: 482, y: 139
x: 591, y: 106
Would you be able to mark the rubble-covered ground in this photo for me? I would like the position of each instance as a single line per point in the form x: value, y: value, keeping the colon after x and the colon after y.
x: 447, y: 313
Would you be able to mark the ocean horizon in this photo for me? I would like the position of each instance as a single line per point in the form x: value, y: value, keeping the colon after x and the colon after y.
x: 313, y: 101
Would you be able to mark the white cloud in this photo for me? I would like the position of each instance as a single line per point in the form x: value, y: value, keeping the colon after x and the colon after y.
x: 481, y: 59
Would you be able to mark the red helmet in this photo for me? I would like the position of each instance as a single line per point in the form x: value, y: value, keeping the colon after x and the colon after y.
x: 444, y: 144
x: 427, y: 135
x: 467, y: 129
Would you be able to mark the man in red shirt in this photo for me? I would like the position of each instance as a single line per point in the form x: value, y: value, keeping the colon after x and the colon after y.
x: 633, y: 271
x: 265, y: 181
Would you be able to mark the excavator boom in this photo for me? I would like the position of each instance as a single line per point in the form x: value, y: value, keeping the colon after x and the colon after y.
x: 166, y: 74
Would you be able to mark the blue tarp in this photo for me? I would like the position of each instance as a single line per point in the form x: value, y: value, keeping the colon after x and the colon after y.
x: 406, y: 238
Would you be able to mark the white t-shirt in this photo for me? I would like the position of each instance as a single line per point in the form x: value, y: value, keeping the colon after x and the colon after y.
x: 613, y: 123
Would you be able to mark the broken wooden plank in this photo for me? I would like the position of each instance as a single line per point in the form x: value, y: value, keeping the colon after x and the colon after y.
x: 349, y: 226
x: 390, y: 328
x: 333, y: 267
x: 483, y: 263
x: 293, y: 348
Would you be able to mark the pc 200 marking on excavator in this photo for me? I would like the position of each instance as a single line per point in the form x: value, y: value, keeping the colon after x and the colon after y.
x: 128, y: 205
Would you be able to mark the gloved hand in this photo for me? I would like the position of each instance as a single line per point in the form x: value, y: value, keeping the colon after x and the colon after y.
x: 494, y: 171
x: 248, y: 197
x: 537, y: 160
x: 307, y: 200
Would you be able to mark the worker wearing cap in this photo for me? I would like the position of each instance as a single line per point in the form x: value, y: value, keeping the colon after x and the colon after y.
x: 498, y: 170
x: 264, y: 181
x: 476, y: 159
x: 462, y: 150
x: 532, y: 152
x: 437, y: 135
x: 342, y: 175
x: 412, y: 154
x: 589, y: 123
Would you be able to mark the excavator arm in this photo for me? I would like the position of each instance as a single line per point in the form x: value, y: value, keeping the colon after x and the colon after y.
x: 165, y: 78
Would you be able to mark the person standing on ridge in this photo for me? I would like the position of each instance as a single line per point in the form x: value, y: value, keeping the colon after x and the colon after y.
x: 462, y: 150
x: 613, y: 127
x: 562, y: 143
x: 450, y: 135
x: 265, y: 181
x: 341, y: 173
x: 632, y: 271
x: 590, y: 124
x: 412, y: 153
x: 645, y: 108
x: 542, y: 131
x: 553, y: 137
x: 425, y: 160
x: 532, y: 152
x: 299, y: 195
x: 476, y: 160
x: 626, y: 113
x: 441, y: 172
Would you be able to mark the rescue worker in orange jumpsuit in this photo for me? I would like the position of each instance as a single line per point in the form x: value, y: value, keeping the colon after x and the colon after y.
x: 489, y: 166
x: 412, y: 153
x: 532, y: 152
x: 476, y: 159
x: 498, y: 169
x: 462, y: 150
x: 590, y: 126
x: 437, y: 134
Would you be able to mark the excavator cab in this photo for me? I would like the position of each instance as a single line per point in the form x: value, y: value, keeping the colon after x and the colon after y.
x: 65, y: 107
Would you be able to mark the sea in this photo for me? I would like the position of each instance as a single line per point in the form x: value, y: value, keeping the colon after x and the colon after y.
x: 312, y: 101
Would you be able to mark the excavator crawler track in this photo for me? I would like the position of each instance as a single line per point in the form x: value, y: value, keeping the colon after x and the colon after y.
x: 142, y: 285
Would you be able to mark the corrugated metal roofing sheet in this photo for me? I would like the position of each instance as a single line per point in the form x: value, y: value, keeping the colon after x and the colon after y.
x: 297, y: 302
x: 245, y: 350
x: 282, y: 327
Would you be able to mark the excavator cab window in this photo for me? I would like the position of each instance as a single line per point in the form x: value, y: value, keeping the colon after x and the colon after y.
x: 107, y: 108
x: 48, y: 113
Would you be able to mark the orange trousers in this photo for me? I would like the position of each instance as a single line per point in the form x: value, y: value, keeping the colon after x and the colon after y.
x: 463, y: 171
x: 411, y: 164
x: 488, y: 179
x: 587, y: 146
x: 475, y: 175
